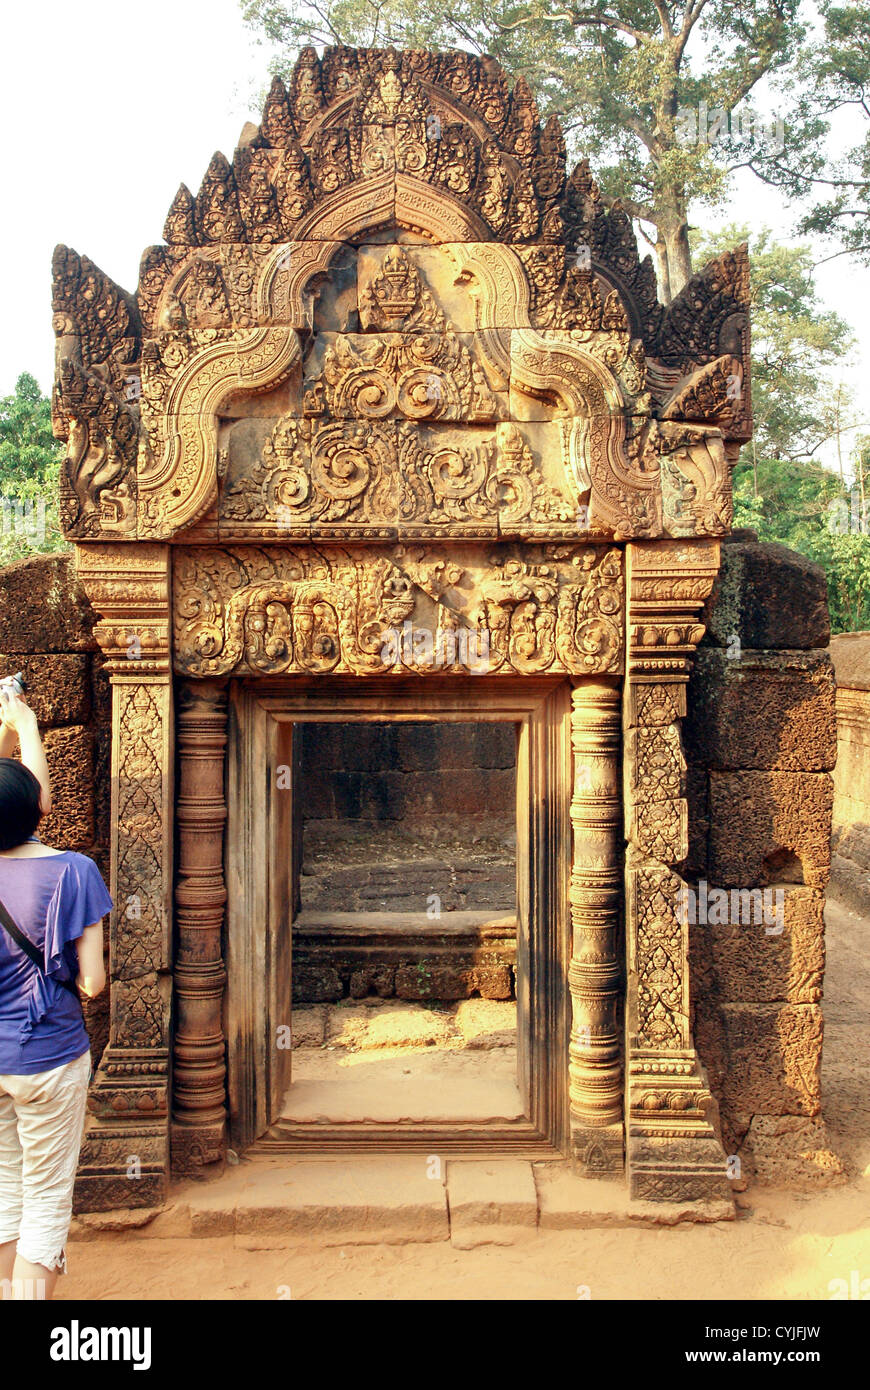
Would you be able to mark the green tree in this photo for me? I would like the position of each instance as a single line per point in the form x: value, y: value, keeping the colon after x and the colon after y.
x: 797, y: 402
x: 628, y: 78
x: 805, y: 506
x: 829, y: 92
x: 781, y: 489
x: 30, y: 460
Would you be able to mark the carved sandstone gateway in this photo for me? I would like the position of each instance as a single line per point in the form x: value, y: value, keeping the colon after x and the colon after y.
x: 393, y: 364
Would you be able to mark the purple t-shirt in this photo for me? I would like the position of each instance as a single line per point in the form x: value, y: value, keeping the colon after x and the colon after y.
x: 50, y: 899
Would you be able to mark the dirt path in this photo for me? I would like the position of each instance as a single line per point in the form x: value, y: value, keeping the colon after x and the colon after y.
x: 784, y: 1245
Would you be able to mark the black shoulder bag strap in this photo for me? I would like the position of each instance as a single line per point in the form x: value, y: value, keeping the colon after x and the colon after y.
x: 32, y: 951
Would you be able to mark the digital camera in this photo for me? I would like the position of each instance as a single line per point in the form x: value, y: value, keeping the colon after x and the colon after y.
x: 16, y: 685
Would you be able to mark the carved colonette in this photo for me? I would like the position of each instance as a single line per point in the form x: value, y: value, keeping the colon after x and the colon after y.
x: 394, y: 367
x: 199, y: 1111
x: 595, y: 974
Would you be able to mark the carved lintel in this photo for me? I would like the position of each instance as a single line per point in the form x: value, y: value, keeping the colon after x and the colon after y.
x: 595, y: 972
x: 673, y: 1151
x: 391, y: 610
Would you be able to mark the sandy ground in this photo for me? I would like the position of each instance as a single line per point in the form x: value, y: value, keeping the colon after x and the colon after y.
x: 784, y: 1245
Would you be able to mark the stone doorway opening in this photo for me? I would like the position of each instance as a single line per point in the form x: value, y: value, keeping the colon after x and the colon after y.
x: 397, y: 942
x: 404, y: 943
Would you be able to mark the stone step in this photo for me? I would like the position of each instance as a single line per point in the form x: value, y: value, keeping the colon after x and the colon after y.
x: 491, y: 1203
x: 266, y: 1203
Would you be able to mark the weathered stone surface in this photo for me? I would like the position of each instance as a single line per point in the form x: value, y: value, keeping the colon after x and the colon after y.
x: 763, y: 1058
x: 101, y: 724
x: 770, y: 827
x: 768, y: 597
x: 850, y: 653
x: 405, y: 747
x: 389, y: 1201
x: 377, y: 873
x: 569, y: 1202
x: 429, y: 980
x: 849, y: 876
x: 58, y: 685
x: 764, y: 710
x: 390, y: 795
x: 43, y: 608
x: 492, y: 1202
x: 697, y: 785
x: 494, y: 981
x: 791, y: 1149
x: 69, y: 753
x: 778, y: 958
x: 373, y: 979
x: 316, y: 984
x: 410, y: 953
x: 850, y: 867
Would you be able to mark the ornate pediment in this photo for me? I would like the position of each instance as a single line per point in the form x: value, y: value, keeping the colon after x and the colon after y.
x: 398, y: 244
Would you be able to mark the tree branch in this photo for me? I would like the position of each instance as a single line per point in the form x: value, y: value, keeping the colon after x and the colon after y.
x: 577, y: 21
x: 691, y: 15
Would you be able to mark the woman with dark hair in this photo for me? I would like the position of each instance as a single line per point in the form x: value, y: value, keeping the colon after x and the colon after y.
x: 51, y: 953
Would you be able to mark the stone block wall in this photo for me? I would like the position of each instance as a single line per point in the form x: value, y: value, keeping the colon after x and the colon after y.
x: 46, y: 631
x: 409, y: 774
x: 850, y: 857
x: 412, y: 827
x: 760, y: 743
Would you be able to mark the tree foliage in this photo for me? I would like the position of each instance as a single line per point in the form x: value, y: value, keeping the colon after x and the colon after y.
x: 781, y: 490
x: 808, y: 507
x: 620, y: 74
x: 828, y: 91
x: 29, y: 471
x: 798, y: 403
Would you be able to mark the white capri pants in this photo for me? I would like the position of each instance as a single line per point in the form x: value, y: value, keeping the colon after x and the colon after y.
x: 42, y: 1120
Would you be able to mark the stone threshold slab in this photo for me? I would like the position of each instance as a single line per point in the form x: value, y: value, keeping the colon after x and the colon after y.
x: 270, y: 1202
x: 343, y: 926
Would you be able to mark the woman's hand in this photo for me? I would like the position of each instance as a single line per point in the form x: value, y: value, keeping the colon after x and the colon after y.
x: 18, y: 718
x: 14, y: 711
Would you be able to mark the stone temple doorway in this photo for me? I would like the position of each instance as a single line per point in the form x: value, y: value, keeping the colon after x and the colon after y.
x: 379, y: 380
x: 303, y: 1099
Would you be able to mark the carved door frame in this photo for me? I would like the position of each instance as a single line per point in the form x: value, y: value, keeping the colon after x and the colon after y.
x: 261, y: 718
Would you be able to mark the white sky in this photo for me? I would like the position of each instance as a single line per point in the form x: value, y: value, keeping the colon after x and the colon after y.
x: 92, y: 162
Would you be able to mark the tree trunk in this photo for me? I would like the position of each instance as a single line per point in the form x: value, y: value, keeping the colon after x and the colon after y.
x: 676, y: 237
x: 663, y: 268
